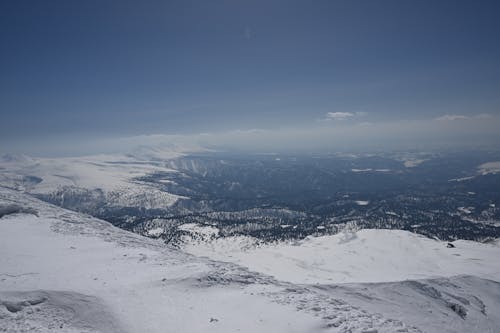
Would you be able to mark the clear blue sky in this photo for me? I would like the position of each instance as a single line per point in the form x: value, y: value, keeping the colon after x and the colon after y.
x: 76, y: 70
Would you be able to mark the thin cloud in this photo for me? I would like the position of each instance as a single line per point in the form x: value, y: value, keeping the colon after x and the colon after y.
x: 339, y: 115
x: 454, y: 117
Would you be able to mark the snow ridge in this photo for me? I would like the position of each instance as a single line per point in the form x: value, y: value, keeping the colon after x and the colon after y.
x: 56, y: 265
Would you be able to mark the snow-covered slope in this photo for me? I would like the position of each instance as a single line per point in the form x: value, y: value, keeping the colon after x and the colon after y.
x: 62, y: 271
x: 489, y: 168
x: 109, y: 178
x: 59, y: 268
x: 362, y: 256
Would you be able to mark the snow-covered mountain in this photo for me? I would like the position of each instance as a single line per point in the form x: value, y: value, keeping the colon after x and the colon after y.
x: 65, y: 272
x: 113, y: 180
x: 154, y: 190
x: 62, y: 271
x: 369, y: 255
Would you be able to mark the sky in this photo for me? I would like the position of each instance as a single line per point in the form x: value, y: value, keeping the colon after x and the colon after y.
x: 88, y: 76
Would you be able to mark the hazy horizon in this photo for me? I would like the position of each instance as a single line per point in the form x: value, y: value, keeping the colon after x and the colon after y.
x: 102, y: 76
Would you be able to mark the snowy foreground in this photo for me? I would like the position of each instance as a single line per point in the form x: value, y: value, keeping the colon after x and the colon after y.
x: 363, y: 256
x: 61, y: 271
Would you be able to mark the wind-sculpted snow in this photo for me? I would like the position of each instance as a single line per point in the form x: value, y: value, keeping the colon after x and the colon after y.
x: 55, y: 311
x: 15, y: 209
x: 62, y: 271
x: 457, y: 304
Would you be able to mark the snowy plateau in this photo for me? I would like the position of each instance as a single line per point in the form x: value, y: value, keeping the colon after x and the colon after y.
x: 67, y: 271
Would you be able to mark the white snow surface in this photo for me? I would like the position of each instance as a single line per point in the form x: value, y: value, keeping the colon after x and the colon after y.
x: 482, y: 170
x: 413, y: 162
x: 155, y: 232
x: 142, y: 285
x: 364, y: 256
x: 115, y: 174
x: 62, y: 271
x: 490, y: 167
x: 202, y: 230
x: 370, y: 170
